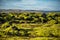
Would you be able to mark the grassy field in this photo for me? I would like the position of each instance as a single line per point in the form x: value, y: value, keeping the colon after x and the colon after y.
x: 25, y: 38
x: 30, y: 26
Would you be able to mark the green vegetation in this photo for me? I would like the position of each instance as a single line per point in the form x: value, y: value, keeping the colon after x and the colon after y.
x: 35, y: 25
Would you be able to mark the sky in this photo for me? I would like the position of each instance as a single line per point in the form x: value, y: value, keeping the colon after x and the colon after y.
x: 47, y: 5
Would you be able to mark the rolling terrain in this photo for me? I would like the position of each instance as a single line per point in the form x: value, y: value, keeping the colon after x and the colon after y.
x: 29, y: 25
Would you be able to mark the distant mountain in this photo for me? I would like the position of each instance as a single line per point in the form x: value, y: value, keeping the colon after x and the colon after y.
x: 18, y: 10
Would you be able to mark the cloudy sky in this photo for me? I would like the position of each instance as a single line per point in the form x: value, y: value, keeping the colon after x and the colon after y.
x: 48, y: 5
